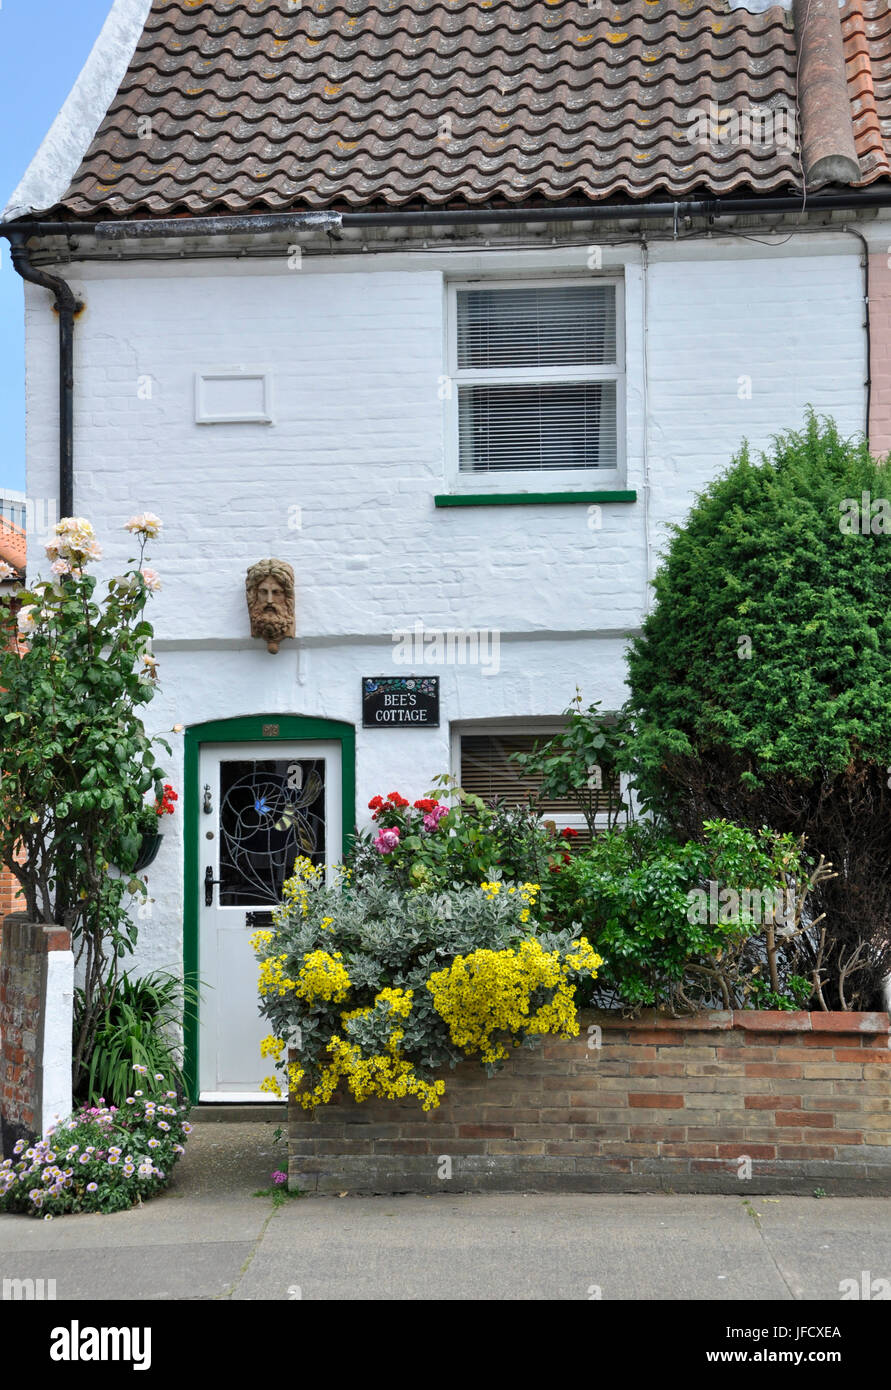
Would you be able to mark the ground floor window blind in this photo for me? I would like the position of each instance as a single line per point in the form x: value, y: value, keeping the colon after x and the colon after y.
x: 487, y: 771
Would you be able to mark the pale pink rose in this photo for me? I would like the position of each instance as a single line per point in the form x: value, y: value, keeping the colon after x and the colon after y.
x: 77, y: 541
x: 61, y: 567
x: 6, y: 571
x: 146, y: 524
x: 77, y: 534
x: 387, y: 841
x: 70, y: 525
x: 152, y: 579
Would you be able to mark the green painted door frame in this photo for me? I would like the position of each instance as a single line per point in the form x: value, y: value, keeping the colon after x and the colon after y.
x: 254, y: 728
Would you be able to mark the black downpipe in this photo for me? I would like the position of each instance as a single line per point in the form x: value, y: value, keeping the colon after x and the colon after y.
x: 67, y: 306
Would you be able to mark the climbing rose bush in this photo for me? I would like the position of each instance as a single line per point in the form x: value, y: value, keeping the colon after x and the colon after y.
x: 102, y: 1158
x: 376, y: 988
x: 76, y: 673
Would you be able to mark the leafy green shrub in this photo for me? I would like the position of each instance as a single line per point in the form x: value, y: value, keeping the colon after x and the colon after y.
x: 115, y: 1157
x: 761, y: 685
x: 135, y: 1030
x: 376, y: 987
x: 686, y: 925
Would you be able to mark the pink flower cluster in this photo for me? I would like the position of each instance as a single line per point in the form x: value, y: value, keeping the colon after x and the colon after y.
x: 395, y: 805
x: 387, y: 841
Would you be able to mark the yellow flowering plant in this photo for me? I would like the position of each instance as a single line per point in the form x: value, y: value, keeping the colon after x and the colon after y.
x: 372, y: 989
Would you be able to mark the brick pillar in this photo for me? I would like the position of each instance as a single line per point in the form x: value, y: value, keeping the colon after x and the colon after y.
x: 36, y: 1004
x: 11, y: 897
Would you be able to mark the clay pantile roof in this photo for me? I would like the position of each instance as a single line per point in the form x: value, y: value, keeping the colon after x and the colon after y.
x: 276, y: 104
x: 13, y: 545
x: 866, y: 32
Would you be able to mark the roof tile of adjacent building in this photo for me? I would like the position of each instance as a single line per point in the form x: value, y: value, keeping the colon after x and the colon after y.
x: 13, y: 545
x: 252, y: 105
x: 866, y: 31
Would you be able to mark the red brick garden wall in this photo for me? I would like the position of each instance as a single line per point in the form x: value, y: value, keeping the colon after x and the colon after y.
x: 722, y: 1102
x: 24, y: 1008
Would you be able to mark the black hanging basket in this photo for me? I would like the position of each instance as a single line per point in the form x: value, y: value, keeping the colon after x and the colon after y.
x: 147, y: 851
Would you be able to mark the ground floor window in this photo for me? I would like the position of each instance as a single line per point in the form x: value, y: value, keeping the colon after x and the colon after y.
x: 484, y: 767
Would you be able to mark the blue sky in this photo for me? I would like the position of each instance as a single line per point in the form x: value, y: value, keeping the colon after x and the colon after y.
x: 43, y: 46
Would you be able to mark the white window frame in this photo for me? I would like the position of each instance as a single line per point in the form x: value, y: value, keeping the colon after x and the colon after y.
x: 537, y: 727
x: 522, y: 479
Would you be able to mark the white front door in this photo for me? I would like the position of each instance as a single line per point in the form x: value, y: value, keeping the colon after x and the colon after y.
x: 261, y: 807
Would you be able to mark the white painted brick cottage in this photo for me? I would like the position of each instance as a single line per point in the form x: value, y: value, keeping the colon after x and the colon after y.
x: 452, y: 308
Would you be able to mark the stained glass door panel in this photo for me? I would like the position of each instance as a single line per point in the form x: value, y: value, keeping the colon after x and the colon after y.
x: 272, y: 811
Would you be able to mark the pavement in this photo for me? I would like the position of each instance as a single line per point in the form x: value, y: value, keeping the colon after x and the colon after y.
x: 209, y: 1238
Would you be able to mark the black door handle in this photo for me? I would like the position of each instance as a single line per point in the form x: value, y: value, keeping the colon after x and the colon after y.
x: 209, y: 882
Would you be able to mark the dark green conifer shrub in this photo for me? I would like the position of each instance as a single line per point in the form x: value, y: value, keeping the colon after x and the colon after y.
x: 761, y: 685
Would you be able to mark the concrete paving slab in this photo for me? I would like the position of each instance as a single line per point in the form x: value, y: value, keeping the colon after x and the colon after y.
x: 165, y: 1221
x: 815, y: 1250
x: 229, y: 1157
x: 494, y: 1246
x: 136, y: 1272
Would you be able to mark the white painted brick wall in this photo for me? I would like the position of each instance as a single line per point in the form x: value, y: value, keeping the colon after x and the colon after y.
x: 357, y: 444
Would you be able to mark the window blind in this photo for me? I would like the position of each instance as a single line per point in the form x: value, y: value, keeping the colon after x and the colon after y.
x: 523, y: 427
x: 487, y: 772
x: 537, y: 370
x: 565, y: 326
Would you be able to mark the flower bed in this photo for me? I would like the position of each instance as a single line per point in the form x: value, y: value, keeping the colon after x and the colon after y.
x: 102, y: 1159
x: 736, y: 1102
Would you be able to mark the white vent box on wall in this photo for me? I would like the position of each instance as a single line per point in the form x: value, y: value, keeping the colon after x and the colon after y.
x: 233, y: 396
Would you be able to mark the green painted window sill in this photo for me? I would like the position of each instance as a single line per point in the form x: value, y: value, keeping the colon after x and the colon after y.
x: 527, y: 499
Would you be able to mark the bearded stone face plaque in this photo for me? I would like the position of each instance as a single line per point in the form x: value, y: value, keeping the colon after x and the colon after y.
x: 270, y: 600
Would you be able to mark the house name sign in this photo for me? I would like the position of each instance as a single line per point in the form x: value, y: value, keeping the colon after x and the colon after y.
x: 400, y: 702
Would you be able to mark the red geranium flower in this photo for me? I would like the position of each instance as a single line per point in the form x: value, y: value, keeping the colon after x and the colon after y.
x: 375, y: 803
x: 396, y: 799
x: 426, y: 804
x: 569, y: 833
